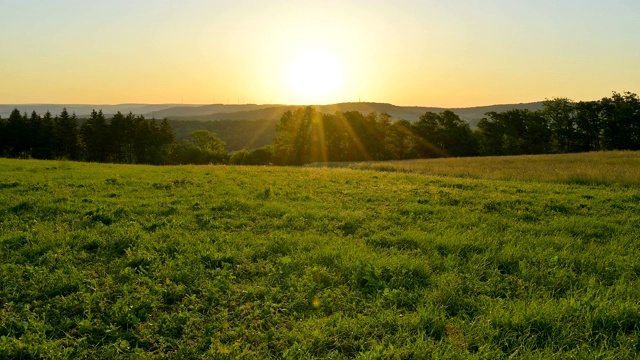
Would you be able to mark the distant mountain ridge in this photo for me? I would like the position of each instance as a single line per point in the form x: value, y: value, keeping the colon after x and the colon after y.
x: 411, y: 113
x: 259, y: 112
x: 83, y: 110
x: 204, y: 110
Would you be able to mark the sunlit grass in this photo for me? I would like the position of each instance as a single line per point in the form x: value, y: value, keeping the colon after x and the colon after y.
x: 620, y: 168
x: 108, y: 261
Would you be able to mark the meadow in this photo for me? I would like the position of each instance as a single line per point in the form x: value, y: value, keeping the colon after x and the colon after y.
x: 617, y: 168
x: 123, y: 261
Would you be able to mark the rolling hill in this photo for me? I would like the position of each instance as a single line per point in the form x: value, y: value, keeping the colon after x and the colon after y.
x: 411, y: 113
x: 257, y: 112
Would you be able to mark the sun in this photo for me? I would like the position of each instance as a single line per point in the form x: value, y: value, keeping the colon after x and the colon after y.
x: 315, y: 74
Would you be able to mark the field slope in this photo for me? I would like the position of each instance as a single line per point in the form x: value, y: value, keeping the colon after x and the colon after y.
x: 617, y: 168
x: 261, y: 262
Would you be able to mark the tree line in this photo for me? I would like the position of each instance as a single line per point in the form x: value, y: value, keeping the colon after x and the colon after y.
x: 129, y: 139
x: 561, y: 126
x: 564, y: 126
x: 305, y: 135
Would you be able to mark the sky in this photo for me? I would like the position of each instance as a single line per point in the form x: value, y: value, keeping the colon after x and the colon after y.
x: 453, y: 53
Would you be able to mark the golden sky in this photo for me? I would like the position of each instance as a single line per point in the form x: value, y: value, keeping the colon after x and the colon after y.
x: 452, y: 53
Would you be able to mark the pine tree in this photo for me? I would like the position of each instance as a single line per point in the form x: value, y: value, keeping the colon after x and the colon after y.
x: 67, y: 136
x: 93, y: 132
x: 116, y: 135
x: 46, y: 137
x: 17, y: 131
x: 35, y: 127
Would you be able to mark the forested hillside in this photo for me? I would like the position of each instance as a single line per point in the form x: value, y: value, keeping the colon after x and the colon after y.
x: 562, y: 126
x: 306, y: 135
x: 273, y: 112
x: 237, y: 134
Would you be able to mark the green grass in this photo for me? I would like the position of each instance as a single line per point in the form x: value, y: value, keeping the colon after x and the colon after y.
x: 260, y: 262
x: 616, y: 168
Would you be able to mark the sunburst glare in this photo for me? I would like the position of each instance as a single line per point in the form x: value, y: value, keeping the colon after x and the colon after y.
x: 315, y: 74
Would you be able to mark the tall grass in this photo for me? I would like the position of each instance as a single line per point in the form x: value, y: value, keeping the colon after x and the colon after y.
x: 619, y: 168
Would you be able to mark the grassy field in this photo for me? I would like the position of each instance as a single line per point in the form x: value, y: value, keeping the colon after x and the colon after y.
x: 617, y: 168
x: 261, y: 262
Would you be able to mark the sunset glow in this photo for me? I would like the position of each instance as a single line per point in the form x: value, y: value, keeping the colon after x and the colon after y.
x: 432, y: 53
